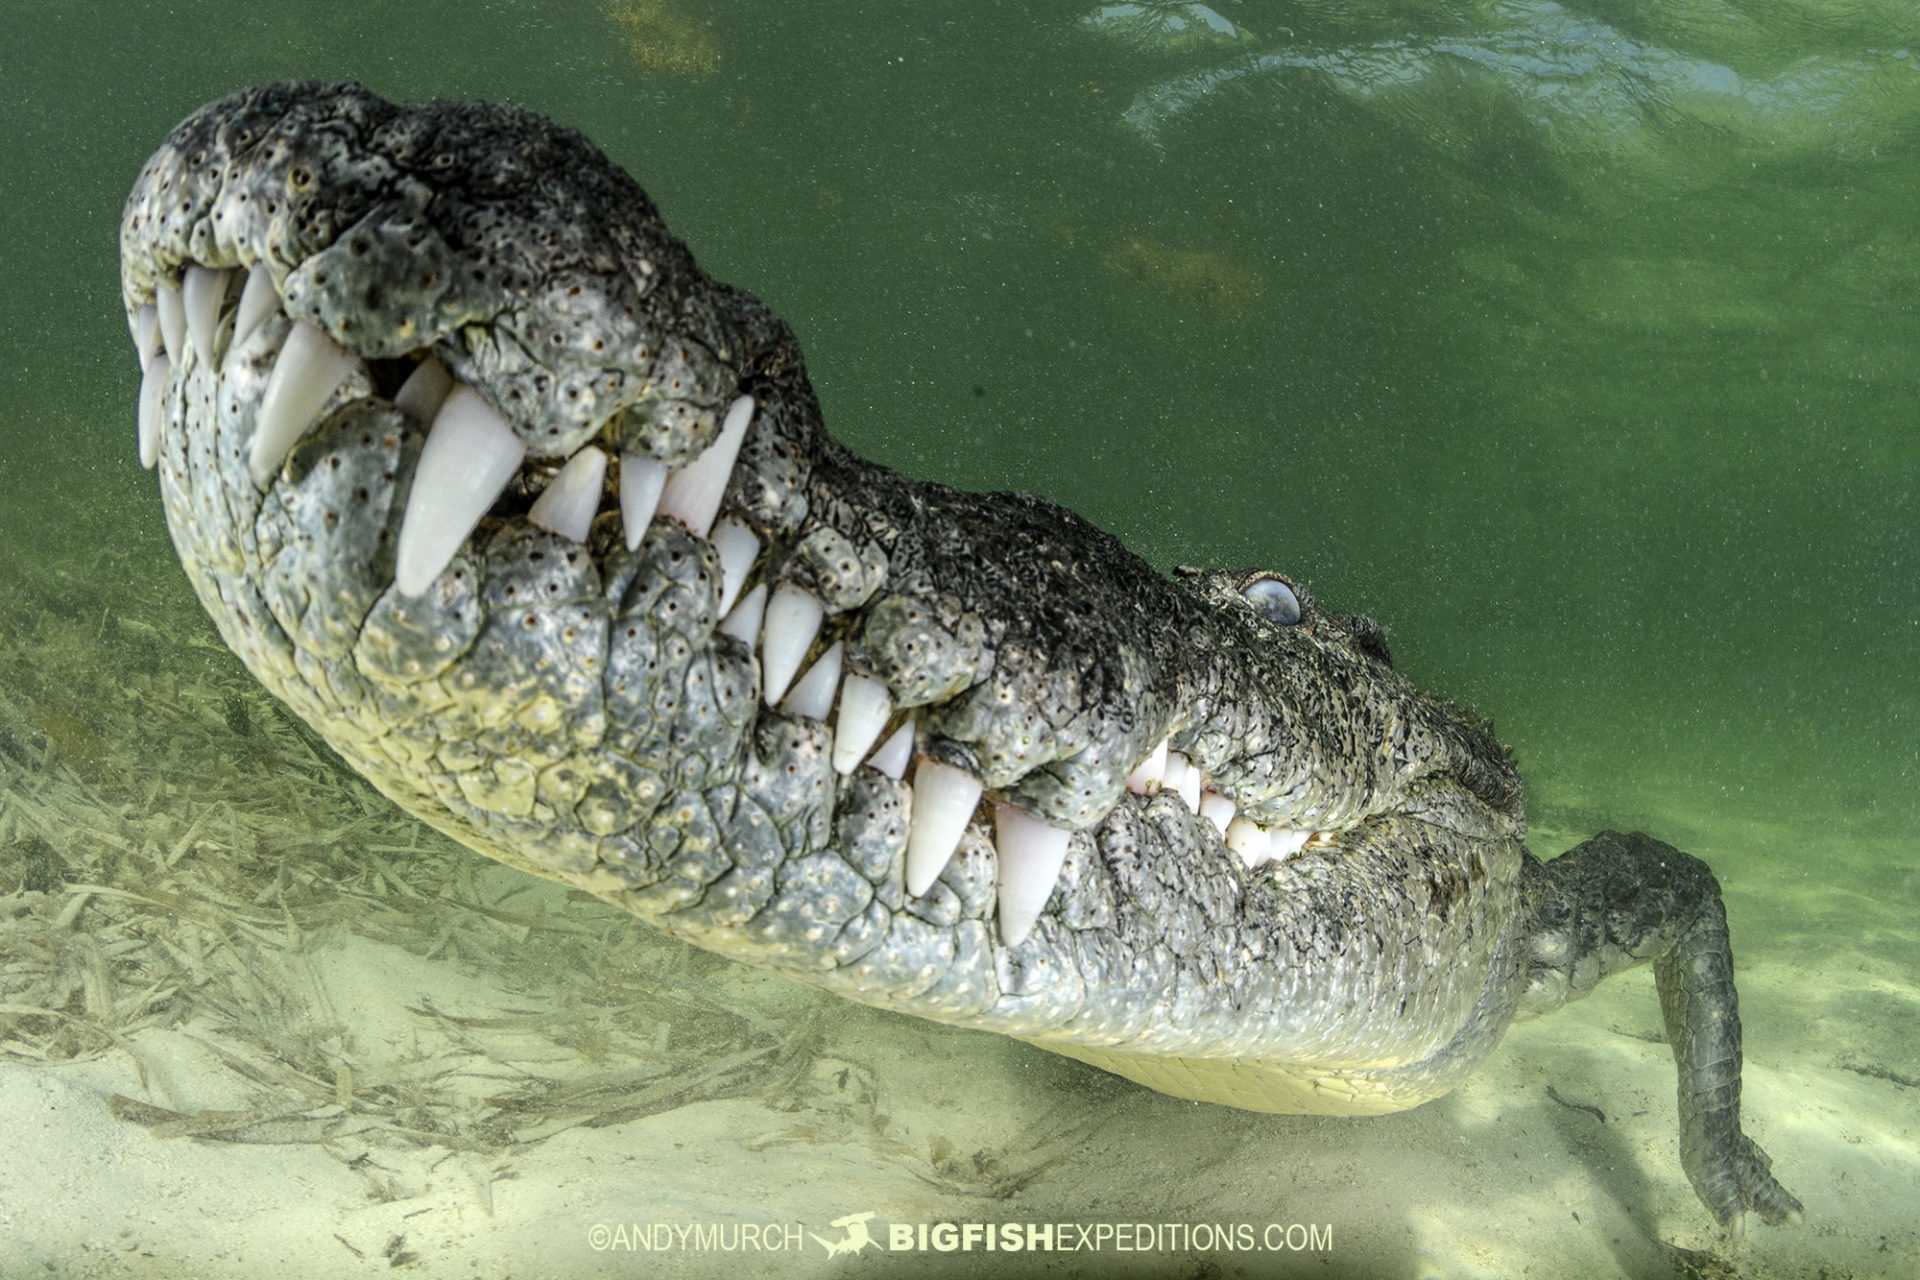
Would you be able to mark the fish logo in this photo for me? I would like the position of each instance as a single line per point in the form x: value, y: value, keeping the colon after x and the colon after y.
x: 856, y: 1239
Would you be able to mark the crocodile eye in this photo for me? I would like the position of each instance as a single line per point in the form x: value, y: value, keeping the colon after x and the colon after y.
x: 1274, y: 600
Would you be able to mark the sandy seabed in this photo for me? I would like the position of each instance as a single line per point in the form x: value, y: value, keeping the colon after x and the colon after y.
x: 254, y: 1021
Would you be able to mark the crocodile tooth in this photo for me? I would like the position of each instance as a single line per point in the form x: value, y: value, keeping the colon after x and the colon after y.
x: 258, y: 300
x: 1250, y: 840
x: 424, y: 391
x: 201, y: 294
x: 469, y: 455
x: 1287, y: 842
x: 1031, y: 855
x: 1217, y: 809
x: 692, y: 494
x: 793, y: 620
x: 891, y: 759
x: 736, y: 546
x: 943, y: 801
x: 743, y: 624
x: 173, y: 322
x: 1145, y: 780
x: 1190, y: 785
x: 864, y: 708
x: 1182, y: 779
x: 310, y: 367
x: 812, y: 695
x: 641, y: 479
x: 1176, y: 769
x: 567, y: 504
x: 146, y: 333
x: 153, y: 390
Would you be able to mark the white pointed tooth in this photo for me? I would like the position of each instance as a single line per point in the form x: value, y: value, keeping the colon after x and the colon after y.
x: 692, y: 494
x: 469, y: 456
x: 424, y: 391
x: 1175, y: 772
x: 793, y: 620
x: 173, y: 321
x: 1286, y: 842
x: 1217, y: 809
x: 567, y: 504
x: 864, y: 708
x: 1250, y: 840
x: 891, y: 759
x: 1031, y: 855
x: 1183, y: 778
x: 743, y: 624
x: 153, y: 392
x: 258, y: 300
x: 737, y: 548
x: 641, y: 479
x: 1145, y: 780
x: 310, y: 367
x: 943, y: 801
x: 812, y: 695
x: 146, y: 333
x: 201, y: 294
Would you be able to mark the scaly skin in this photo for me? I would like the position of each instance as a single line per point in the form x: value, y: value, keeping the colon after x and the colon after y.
x: 569, y: 708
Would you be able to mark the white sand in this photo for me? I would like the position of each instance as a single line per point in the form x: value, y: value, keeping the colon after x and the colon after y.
x: 917, y: 1123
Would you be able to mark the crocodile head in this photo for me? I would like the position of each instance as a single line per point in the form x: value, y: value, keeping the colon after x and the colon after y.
x: 541, y: 529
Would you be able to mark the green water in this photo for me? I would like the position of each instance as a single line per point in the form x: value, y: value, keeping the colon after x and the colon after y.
x: 1578, y: 347
x: 1608, y: 418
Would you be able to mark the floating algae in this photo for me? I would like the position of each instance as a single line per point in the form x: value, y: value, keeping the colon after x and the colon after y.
x: 662, y: 40
x: 1212, y: 281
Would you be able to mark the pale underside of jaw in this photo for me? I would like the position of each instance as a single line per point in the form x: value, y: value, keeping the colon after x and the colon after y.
x: 471, y: 455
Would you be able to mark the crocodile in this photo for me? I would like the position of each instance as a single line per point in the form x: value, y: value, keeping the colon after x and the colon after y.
x: 541, y: 529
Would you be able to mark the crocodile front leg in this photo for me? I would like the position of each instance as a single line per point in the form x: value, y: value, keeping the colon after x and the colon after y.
x: 1618, y: 901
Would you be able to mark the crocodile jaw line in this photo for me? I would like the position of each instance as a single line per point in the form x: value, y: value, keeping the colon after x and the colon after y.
x: 494, y: 503
x: 469, y: 458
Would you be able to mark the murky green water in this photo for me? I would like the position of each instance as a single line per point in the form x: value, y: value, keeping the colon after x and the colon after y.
x: 1577, y: 345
